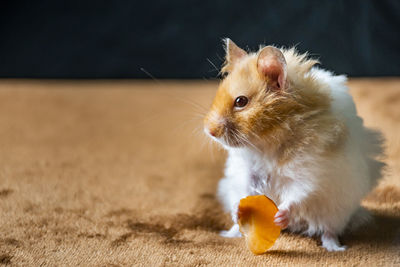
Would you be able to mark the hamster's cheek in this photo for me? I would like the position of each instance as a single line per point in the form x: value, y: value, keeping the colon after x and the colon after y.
x: 248, y: 121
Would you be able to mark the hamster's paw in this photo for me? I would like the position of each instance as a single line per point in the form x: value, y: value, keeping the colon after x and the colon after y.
x: 281, y: 218
x: 331, y: 242
x: 233, y: 232
x: 234, y: 212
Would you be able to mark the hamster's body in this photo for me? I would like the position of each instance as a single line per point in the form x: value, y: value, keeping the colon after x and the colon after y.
x: 314, y: 160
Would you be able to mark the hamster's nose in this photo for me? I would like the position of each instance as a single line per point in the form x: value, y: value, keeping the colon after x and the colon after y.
x: 214, y: 125
x: 212, y: 133
x: 209, y: 131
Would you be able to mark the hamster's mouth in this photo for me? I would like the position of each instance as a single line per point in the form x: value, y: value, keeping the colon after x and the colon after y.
x: 227, y: 135
x: 234, y: 137
x: 229, y: 140
x: 233, y: 142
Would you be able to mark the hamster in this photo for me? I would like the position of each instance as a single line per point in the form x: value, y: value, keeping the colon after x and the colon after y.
x: 292, y: 133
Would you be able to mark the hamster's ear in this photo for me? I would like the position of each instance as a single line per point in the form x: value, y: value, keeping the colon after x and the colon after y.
x: 232, y: 56
x: 271, y: 65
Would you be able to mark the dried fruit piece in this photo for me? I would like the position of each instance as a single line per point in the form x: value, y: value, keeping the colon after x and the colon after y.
x: 256, y: 222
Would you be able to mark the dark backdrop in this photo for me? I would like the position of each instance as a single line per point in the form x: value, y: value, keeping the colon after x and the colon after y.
x: 182, y: 39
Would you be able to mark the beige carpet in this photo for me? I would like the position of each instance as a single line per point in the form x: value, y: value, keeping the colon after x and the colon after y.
x: 111, y: 173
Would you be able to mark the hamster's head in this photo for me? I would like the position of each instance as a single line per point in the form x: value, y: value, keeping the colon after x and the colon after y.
x: 252, y: 100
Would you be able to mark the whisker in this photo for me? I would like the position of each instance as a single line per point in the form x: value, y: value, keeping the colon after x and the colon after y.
x: 150, y: 75
x: 198, y: 115
x: 196, y: 104
x: 215, y: 67
x: 246, y: 140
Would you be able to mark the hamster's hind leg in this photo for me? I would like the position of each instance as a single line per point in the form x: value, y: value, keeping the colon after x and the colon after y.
x: 330, y: 241
x: 233, y: 232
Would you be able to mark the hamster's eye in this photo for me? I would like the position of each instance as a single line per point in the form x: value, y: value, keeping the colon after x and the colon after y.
x: 241, y: 101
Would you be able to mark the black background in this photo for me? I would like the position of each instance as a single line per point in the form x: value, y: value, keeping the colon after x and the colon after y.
x: 177, y: 39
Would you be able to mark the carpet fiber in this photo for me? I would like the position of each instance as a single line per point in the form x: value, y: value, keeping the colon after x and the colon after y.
x: 112, y: 173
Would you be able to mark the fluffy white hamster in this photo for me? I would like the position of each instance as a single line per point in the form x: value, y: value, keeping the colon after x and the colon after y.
x: 292, y: 133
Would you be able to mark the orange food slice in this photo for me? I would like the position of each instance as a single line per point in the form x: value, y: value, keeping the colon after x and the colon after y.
x: 256, y: 222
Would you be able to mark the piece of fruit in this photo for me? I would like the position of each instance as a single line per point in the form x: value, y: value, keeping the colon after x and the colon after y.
x: 256, y: 222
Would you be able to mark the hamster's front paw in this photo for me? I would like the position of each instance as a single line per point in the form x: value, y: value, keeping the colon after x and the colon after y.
x: 233, y: 232
x: 281, y: 218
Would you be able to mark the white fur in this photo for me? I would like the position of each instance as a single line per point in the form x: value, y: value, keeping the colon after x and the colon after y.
x: 320, y: 194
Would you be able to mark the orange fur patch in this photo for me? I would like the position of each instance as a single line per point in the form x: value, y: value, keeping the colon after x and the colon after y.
x: 274, y: 119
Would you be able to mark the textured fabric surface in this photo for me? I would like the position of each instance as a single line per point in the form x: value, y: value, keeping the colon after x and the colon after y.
x: 119, y: 173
